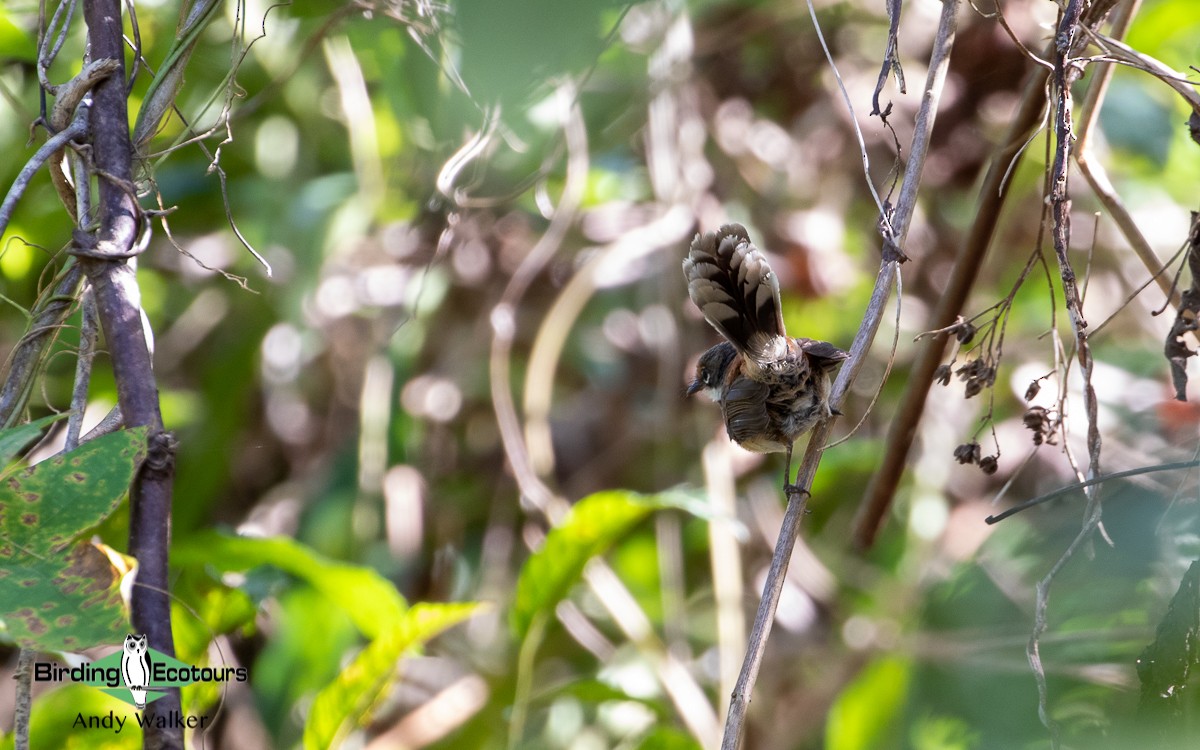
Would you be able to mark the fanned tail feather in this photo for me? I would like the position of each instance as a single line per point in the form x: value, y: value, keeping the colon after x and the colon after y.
x: 734, y: 287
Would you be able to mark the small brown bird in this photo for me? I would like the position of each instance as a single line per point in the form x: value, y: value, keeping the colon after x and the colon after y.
x: 772, y: 388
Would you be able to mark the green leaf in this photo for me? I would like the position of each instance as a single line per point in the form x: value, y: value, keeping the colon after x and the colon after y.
x: 15, y: 42
x: 54, y: 711
x: 668, y: 738
x: 370, y: 600
x: 594, y: 524
x: 169, y: 78
x: 58, y: 592
x: 349, y: 701
x: 14, y: 439
x: 869, y: 707
x: 1164, y: 665
x: 942, y: 733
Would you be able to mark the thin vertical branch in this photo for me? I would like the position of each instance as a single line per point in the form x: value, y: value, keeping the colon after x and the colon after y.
x: 88, y: 333
x: 894, y: 238
x: 1066, y: 71
x: 24, y: 707
x: 114, y: 283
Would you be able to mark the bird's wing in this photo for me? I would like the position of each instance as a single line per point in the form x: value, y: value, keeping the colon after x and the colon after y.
x: 745, y: 407
x: 824, y: 354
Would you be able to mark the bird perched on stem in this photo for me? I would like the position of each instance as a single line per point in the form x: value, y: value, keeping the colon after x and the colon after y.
x: 772, y: 388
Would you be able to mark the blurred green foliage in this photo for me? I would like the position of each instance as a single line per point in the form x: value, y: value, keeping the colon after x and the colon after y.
x: 345, y: 493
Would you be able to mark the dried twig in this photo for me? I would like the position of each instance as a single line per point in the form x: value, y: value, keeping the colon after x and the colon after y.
x: 1054, y: 494
x: 1123, y: 53
x: 891, y: 61
x: 1066, y: 71
x: 992, y: 195
x: 1176, y: 349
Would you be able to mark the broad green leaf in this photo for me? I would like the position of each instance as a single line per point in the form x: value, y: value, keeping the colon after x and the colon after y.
x: 45, y: 506
x: 58, y: 592
x: 869, y: 708
x: 349, y: 701
x: 14, y: 439
x: 594, y: 524
x: 370, y: 600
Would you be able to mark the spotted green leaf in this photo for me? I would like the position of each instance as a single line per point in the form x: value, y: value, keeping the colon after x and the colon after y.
x: 58, y: 591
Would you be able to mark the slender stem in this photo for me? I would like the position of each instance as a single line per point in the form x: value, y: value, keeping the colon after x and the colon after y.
x: 1066, y: 71
x: 88, y: 331
x: 54, y: 144
x: 1173, y: 466
x: 29, y: 356
x: 887, y: 276
x: 523, y: 689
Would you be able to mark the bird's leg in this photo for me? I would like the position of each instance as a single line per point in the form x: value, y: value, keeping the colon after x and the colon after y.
x: 788, y: 488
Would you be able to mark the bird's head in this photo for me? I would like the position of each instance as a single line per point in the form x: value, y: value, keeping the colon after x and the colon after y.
x: 712, y: 369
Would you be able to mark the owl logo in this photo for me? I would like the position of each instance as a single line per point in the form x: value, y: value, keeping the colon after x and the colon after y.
x: 135, y: 667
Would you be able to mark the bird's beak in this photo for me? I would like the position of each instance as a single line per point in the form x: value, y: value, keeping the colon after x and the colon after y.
x: 694, y: 386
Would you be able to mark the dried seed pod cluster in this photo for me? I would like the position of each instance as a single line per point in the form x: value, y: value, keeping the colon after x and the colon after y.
x: 969, y: 453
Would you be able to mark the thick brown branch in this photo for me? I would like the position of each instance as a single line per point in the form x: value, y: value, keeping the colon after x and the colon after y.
x: 111, y: 147
x: 118, y: 307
